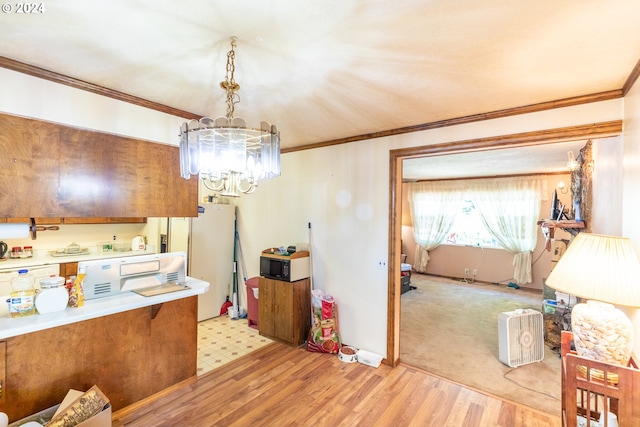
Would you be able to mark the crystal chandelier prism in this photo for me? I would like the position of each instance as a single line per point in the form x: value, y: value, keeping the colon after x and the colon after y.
x: 228, y: 156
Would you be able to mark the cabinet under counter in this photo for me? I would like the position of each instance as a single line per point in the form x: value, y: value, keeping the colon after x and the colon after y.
x: 130, y: 347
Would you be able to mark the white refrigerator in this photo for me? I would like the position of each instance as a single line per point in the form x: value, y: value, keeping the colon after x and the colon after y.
x: 211, y: 241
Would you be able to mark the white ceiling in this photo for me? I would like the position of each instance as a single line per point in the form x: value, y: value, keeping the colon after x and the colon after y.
x: 331, y: 69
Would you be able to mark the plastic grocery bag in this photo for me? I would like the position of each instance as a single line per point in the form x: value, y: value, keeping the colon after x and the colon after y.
x: 323, y: 336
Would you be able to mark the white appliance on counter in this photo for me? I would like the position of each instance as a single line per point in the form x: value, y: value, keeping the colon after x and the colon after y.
x: 37, y: 272
x: 110, y: 276
x: 211, y: 240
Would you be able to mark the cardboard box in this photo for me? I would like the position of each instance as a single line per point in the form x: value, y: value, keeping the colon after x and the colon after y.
x: 101, y: 419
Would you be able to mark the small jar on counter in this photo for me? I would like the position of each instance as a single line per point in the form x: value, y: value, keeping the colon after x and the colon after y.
x: 27, y: 251
x: 16, y: 252
x: 53, y: 295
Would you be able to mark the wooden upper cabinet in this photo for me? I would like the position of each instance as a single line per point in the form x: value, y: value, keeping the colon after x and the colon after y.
x: 55, y: 171
x: 88, y: 220
x: 38, y: 221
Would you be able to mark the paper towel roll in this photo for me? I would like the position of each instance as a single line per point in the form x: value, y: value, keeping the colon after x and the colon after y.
x: 14, y: 231
x: 4, y: 420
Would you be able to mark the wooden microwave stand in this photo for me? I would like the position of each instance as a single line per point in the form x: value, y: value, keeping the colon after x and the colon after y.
x: 284, y: 310
x: 590, y: 386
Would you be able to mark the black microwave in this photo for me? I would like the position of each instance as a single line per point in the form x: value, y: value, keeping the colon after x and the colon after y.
x: 283, y: 268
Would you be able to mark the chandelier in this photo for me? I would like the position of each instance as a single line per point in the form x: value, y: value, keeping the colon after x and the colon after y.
x: 228, y: 156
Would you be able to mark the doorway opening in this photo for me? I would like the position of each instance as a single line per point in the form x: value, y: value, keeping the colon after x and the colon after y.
x: 396, y: 157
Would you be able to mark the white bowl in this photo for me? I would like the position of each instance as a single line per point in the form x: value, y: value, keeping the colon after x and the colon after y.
x: 347, y: 358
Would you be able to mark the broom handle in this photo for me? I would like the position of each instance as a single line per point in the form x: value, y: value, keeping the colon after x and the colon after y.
x: 310, y: 260
x: 310, y: 275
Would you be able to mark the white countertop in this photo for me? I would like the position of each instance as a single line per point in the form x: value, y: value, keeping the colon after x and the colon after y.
x: 11, y: 327
x: 44, y: 259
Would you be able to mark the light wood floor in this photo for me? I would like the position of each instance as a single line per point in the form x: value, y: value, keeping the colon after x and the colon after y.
x: 281, y: 386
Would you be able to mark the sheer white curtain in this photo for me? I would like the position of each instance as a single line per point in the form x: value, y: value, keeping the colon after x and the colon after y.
x: 433, y: 206
x: 510, y: 209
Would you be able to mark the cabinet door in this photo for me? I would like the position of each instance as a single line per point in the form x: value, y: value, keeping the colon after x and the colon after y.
x: 68, y: 269
x: 69, y: 172
x: 111, y: 220
x: 301, y: 315
x: 28, y: 167
x: 266, y: 303
x: 283, y: 312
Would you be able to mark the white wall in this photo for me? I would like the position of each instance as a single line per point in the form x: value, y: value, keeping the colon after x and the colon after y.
x: 631, y: 186
x: 606, y: 210
x: 27, y: 96
x: 341, y: 190
x: 88, y: 236
x: 631, y: 167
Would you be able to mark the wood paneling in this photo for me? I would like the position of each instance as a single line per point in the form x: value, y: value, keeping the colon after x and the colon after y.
x: 631, y: 80
x: 129, y: 355
x: 278, y: 385
x: 60, y: 171
x: 110, y: 220
x: 51, y: 221
x: 540, y: 137
x: 68, y: 269
x: 39, y: 221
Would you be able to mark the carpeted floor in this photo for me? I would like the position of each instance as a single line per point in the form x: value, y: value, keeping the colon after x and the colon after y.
x: 450, y: 329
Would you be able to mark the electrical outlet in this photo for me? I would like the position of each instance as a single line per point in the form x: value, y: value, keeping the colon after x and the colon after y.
x: 382, y: 264
x: 466, y: 271
x: 475, y: 272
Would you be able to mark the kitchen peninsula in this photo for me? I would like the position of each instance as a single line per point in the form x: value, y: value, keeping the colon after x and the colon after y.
x: 129, y: 345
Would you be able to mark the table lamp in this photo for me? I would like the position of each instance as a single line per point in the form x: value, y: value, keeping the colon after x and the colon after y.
x: 604, y: 270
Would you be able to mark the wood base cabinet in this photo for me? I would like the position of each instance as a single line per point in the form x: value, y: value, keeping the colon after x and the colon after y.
x: 284, y: 310
x: 129, y: 356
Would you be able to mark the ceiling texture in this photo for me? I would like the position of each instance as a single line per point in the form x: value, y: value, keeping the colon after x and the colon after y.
x: 332, y: 70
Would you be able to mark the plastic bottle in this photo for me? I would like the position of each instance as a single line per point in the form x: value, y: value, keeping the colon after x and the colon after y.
x: 23, y: 295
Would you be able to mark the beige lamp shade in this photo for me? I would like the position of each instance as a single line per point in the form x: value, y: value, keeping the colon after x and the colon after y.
x: 598, y: 267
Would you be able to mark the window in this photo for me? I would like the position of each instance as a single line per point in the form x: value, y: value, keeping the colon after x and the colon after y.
x: 469, y: 230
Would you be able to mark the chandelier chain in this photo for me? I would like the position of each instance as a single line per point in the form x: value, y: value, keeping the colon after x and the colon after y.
x: 229, y: 84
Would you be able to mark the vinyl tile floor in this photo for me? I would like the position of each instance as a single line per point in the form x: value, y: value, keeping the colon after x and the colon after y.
x: 221, y: 340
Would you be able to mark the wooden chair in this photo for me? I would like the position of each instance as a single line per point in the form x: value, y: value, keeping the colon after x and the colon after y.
x: 590, y: 387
